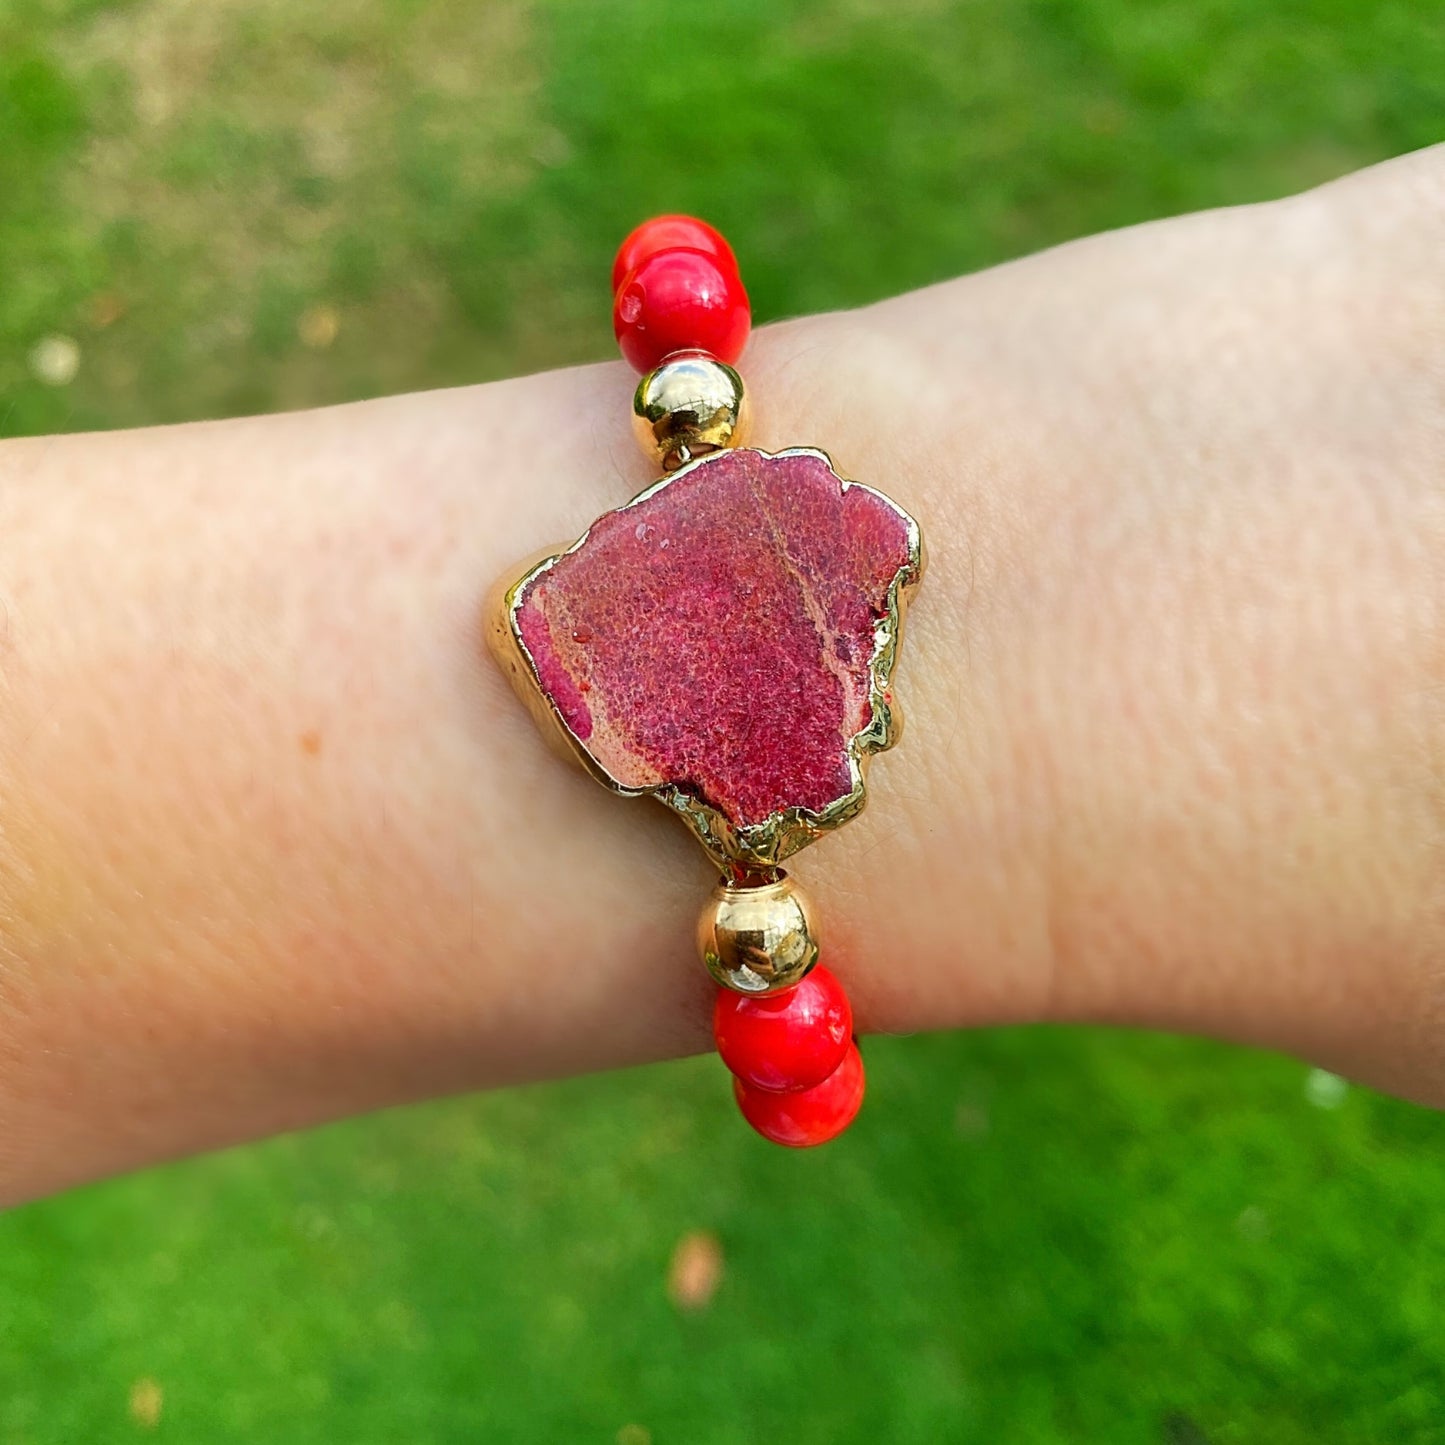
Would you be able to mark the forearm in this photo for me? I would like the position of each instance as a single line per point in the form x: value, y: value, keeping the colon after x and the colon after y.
x: 279, y: 844
x: 283, y: 844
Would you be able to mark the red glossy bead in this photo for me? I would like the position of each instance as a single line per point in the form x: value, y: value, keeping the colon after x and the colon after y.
x: 680, y: 301
x: 782, y: 1042
x: 812, y: 1116
x: 670, y: 233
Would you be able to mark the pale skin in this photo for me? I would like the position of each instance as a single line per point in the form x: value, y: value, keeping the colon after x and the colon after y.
x: 278, y: 844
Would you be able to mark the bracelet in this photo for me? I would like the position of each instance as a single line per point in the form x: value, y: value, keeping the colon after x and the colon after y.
x: 725, y: 643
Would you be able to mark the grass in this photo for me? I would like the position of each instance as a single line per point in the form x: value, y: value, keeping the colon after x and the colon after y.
x: 1034, y: 1237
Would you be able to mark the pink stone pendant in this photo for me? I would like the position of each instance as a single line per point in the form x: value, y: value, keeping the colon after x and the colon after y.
x: 725, y: 642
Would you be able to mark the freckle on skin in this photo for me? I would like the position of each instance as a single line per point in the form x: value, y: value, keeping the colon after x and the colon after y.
x: 311, y: 742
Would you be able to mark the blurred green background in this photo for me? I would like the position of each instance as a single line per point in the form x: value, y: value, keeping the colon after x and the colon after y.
x: 217, y: 206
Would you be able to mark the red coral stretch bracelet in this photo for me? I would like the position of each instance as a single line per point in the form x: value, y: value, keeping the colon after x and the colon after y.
x: 725, y: 643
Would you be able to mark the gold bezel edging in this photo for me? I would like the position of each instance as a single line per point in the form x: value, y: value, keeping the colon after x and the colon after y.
x: 782, y: 833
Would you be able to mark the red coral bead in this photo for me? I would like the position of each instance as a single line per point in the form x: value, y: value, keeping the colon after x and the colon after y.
x: 782, y: 1042
x: 670, y: 233
x: 680, y: 301
x: 812, y: 1116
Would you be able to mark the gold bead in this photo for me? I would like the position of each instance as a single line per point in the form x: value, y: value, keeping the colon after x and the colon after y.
x: 757, y: 938
x: 691, y: 404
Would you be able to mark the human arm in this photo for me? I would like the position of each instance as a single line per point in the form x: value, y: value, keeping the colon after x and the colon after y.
x: 278, y: 844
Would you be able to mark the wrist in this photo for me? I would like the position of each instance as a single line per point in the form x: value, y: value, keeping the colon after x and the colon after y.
x: 279, y: 843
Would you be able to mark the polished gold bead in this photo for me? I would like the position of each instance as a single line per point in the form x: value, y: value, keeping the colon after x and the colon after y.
x: 757, y: 938
x: 691, y: 404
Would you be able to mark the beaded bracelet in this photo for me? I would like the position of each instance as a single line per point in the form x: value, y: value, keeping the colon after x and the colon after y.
x: 725, y: 643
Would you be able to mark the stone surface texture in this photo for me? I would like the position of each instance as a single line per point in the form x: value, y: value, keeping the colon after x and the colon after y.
x: 717, y: 635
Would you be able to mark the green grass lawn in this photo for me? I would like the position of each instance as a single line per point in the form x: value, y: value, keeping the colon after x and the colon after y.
x: 1031, y: 1237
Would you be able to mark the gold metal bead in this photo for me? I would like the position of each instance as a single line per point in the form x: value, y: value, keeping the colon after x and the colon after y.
x: 757, y: 938
x: 691, y: 404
